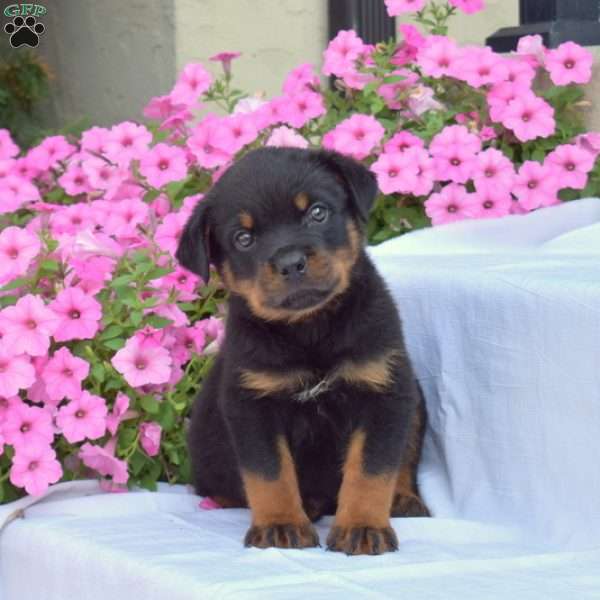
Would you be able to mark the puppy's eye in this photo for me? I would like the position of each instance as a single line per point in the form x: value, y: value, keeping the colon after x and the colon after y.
x: 243, y: 239
x: 318, y: 213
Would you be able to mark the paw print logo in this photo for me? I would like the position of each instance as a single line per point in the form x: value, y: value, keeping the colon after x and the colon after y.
x: 24, y: 32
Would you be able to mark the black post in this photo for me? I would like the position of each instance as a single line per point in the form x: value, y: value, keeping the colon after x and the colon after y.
x: 557, y: 21
x: 368, y: 18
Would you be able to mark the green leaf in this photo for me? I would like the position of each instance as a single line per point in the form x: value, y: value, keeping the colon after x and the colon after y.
x: 166, y: 416
x: 114, y: 344
x: 111, y: 332
x: 136, y: 462
x: 136, y: 317
x: 15, y: 283
x: 157, y: 321
x: 53, y: 266
x: 122, y: 280
x: 113, y: 384
x: 98, y: 372
x: 158, y: 272
x: 150, y: 404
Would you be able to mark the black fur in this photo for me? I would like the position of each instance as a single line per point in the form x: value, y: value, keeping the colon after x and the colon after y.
x: 232, y: 428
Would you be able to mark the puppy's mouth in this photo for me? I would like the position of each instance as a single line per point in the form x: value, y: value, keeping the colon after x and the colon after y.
x: 303, y: 299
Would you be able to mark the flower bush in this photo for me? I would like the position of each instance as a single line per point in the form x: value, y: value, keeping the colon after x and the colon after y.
x: 104, y: 339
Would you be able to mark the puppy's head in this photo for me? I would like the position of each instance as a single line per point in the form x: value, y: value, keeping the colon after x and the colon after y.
x: 283, y: 228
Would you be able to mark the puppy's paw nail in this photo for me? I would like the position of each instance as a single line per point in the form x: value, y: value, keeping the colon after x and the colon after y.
x: 362, y: 540
x: 284, y: 535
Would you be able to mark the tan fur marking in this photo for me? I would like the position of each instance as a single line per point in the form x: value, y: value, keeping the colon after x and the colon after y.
x: 278, y: 501
x: 376, y: 374
x: 364, y: 500
x: 265, y: 383
x: 301, y: 201
x: 246, y: 220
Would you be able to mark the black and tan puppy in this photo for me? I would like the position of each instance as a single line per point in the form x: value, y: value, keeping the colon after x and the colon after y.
x: 311, y: 407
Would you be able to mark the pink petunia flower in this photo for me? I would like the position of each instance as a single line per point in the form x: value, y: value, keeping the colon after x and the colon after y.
x: 519, y: 71
x: 8, y: 148
x: 83, y: 417
x: 536, y: 185
x: 214, y: 329
x: 63, y: 374
x: 425, y: 170
x: 571, y: 165
x: 303, y: 107
x: 396, y: 173
x: 301, y: 79
x: 71, y: 219
x: 74, y: 180
x: 181, y: 281
x: 240, y: 129
x: 395, y: 94
x: 454, y: 135
x: 18, y: 248
x: 29, y: 326
x: 455, y: 164
x: 493, y: 170
x: 189, y: 340
x: 120, y: 412
x: 191, y: 84
x: 207, y: 143
x: 355, y: 136
x: 35, y: 468
x: 480, y: 66
x: 78, y: 313
x: 341, y: 53
x: 142, y: 364
x: 529, y: 117
x: 452, y: 204
x: 590, y: 142
x: 16, y: 371
x: 15, y: 192
x: 95, y: 140
x: 28, y: 426
x: 162, y: 164
x: 123, y: 220
x: 421, y: 98
x: 502, y: 94
x: 286, y: 138
x: 103, y: 175
x: 399, y: 7
x: 531, y: 49
x: 104, y: 461
x: 468, y: 6
x: 439, y: 56
x: 225, y: 58
x: 402, y: 141
x: 162, y: 108
x: 569, y: 63
x: 150, y: 437
x: 491, y: 203
x: 127, y: 141
x: 169, y: 231
x: 52, y: 150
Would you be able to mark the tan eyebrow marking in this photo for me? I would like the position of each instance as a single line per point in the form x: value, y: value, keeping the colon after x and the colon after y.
x: 301, y: 201
x: 246, y: 220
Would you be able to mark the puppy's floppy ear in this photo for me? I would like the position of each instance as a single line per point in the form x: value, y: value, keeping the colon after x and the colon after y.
x: 193, y: 249
x: 361, y: 183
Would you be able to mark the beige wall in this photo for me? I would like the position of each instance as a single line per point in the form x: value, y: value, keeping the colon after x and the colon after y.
x: 109, y: 57
x: 273, y: 36
x: 474, y: 29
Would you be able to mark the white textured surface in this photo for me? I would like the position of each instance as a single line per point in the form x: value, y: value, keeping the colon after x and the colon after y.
x: 505, y: 344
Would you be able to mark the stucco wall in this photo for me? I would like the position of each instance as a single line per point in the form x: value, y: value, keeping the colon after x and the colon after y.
x: 273, y: 36
x: 108, y: 57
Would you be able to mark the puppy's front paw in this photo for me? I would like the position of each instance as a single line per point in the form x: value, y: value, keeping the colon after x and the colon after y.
x: 282, y: 536
x: 409, y: 505
x: 362, y: 540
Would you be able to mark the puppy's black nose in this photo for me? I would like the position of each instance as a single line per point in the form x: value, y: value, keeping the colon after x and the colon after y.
x: 290, y: 264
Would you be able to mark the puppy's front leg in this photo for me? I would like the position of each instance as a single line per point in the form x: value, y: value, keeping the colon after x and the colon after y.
x: 374, y: 453
x: 270, y: 481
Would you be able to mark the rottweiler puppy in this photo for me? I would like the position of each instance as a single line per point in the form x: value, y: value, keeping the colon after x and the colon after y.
x: 311, y: 407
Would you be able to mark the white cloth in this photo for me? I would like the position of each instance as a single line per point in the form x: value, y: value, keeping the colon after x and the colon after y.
x: 502, y: 321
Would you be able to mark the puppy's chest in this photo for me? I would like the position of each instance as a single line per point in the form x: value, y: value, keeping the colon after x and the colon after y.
x: 306, y: 384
